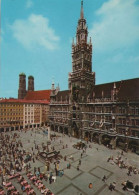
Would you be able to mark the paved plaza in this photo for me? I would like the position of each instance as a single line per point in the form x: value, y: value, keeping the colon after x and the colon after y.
x: 93, y: 166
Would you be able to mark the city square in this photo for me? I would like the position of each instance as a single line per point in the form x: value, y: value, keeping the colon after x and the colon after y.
x: 70, y: 124
x: 94, y: 165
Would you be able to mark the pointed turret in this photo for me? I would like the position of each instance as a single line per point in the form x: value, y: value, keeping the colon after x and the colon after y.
x: 82, y: 33
x: 82, y: 13
x: 53, y: 90
x: 53, y: 86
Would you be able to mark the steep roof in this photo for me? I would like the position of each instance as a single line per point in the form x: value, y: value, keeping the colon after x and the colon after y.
x: 38, y: 95
x: 129, y: 88
x: 125, y: 89
x: 62, y: 95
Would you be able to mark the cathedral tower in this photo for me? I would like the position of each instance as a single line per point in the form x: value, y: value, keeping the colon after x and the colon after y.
x: 30, y: 83
x: 22, y: 86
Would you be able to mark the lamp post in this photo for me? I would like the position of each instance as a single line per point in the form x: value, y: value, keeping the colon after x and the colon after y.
x: 126, y: 133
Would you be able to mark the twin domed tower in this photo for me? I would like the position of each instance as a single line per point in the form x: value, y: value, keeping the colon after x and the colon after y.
x: 22, y: 85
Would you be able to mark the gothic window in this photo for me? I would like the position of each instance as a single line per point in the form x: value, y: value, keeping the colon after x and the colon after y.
x: 137, y: 111
x: 137, y: 122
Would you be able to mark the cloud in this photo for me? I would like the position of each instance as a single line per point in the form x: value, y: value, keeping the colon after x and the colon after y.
x: 29, y: 4
x: 35, y: 32
x: 116, y: 26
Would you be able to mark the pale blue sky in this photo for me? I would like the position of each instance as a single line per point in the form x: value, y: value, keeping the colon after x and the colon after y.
x: 36, y: 39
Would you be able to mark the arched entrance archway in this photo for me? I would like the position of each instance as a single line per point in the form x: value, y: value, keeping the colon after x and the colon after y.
x: 95, y: 137
x: 66, y: 130
x: 87, y: 136
x: 56, y: 128
x: 2, y: 130
x: 120, y: 142
x: 52, y: 127
x: 133, y: 145
x: 75, y: 130
x: 105, y: 139
x: 61, y: 129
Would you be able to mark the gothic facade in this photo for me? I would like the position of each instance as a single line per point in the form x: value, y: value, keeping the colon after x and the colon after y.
x: 106, y: 113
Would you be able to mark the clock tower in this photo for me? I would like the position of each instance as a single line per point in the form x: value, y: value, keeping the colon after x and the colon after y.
x: 81, y: 79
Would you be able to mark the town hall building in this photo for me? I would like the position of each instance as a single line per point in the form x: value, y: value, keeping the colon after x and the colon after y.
x: 105, y: 113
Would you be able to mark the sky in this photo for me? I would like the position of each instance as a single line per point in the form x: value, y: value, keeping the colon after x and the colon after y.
x: 36, y: 38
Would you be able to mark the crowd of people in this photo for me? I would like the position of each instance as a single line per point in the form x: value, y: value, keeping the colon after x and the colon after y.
x: 123, y: 164
x: 14, y: 160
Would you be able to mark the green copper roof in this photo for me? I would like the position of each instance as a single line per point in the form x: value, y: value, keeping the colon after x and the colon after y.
x: 30, y: 77
x: 22, y: 74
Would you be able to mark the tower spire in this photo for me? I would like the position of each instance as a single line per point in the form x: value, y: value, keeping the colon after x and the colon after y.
x: 82, y: 13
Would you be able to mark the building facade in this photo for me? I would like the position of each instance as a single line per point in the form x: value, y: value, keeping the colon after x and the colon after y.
x: 35, y: 113
x: 17, y: 114
x: 106, y: 113
x: 11, y: 115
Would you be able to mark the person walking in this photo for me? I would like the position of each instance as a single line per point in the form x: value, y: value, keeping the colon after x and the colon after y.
x: 104, y: 178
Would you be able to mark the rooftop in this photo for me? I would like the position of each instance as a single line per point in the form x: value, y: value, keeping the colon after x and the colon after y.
x: 38, y: 95
x: 12, y: 100
x: 125, y: 89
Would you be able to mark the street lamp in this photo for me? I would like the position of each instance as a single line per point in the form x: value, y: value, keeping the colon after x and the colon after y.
x: 126, y: 133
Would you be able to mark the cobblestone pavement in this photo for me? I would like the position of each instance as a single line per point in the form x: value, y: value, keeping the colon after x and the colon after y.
x: 93, y: 167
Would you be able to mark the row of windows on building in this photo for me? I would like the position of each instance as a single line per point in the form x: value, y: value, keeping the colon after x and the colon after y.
x: 132, y: 132
x: 134, y: 122
x: 10, y: 110
x: 13, y: 123
x: 11, y: 113
x: 11, y: 118
x: 26, y: 122
x: 121, y: 110
x: 124, y: 121
x: 11, y: 105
